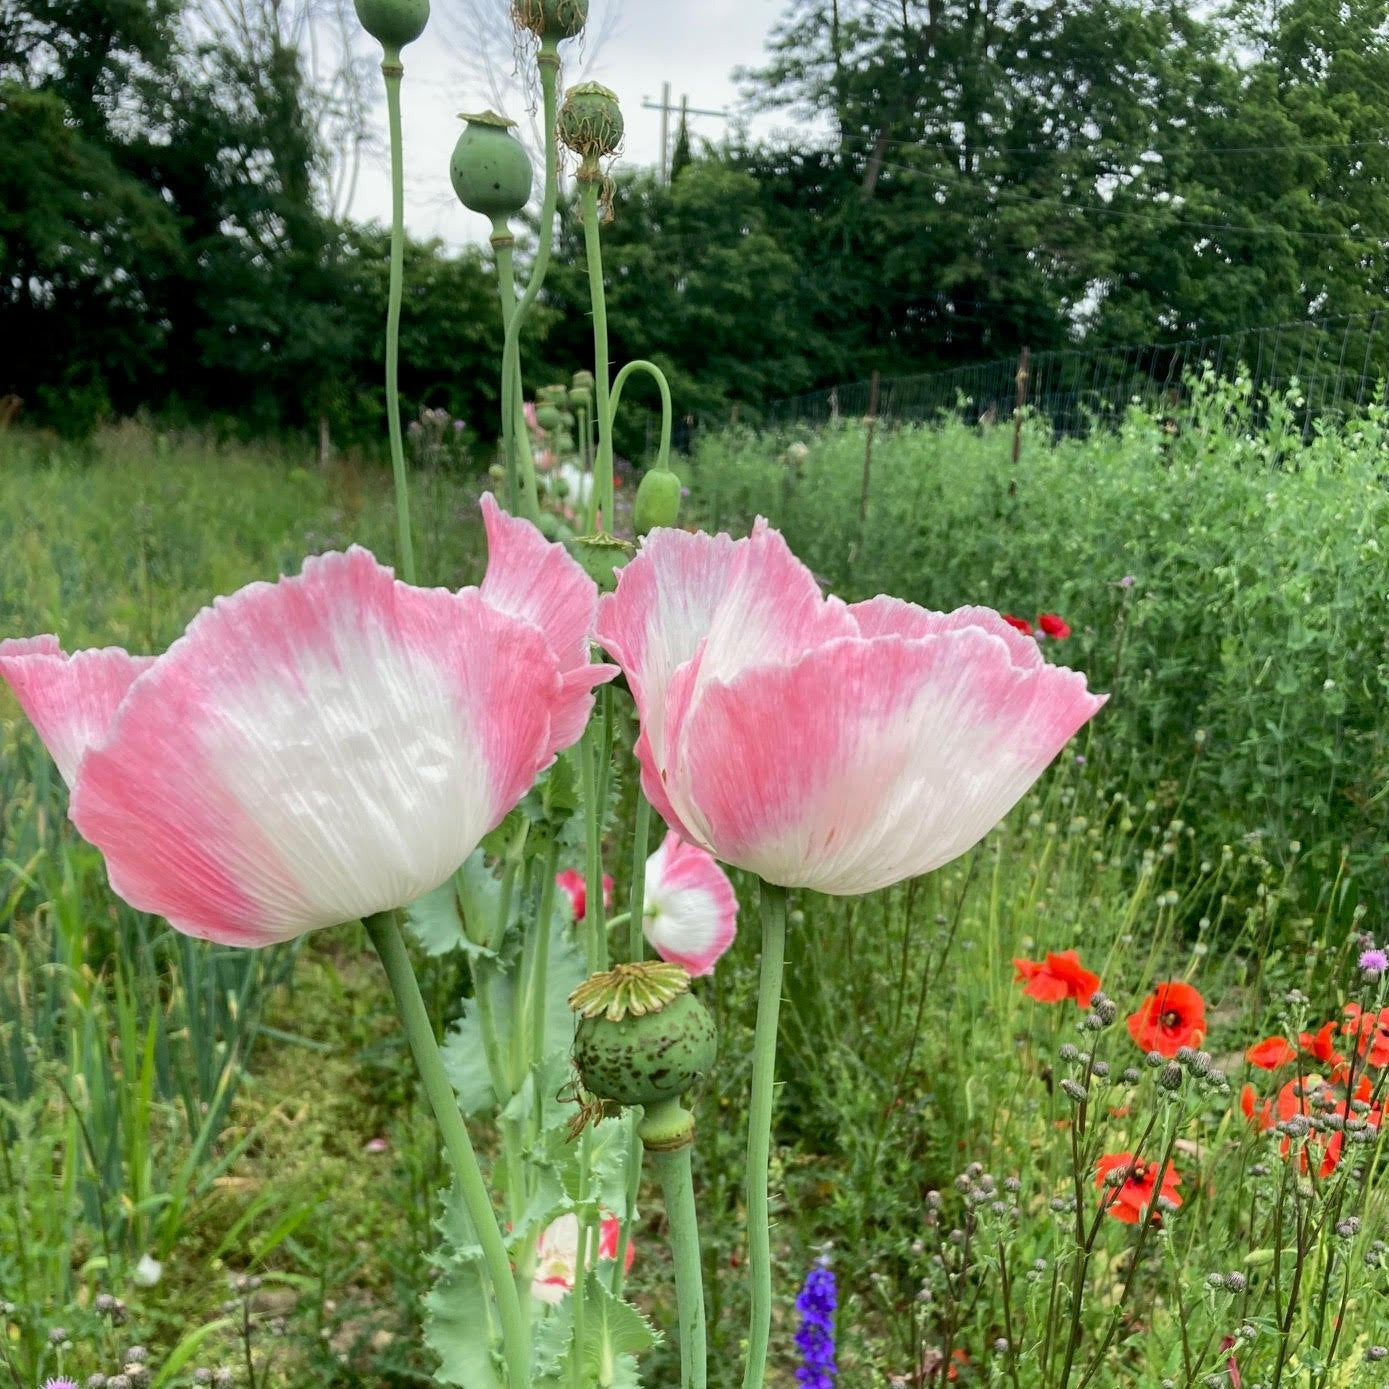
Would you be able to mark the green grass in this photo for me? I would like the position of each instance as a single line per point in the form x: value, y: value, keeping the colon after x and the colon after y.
x: 908, y: 1054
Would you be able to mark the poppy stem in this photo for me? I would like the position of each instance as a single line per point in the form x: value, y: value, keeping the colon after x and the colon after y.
x: 677, y: 1186
x: 760, y: 1130
x: 601, y: 504
x: 419, y: 1031
x: 405, y: 552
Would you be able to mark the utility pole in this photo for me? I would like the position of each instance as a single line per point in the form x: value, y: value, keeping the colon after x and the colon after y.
x: 667, y: 110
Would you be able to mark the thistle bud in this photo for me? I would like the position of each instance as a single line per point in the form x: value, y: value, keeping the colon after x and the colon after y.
x: 551, y: 19
x: 590, y: 124
x: 490, y: 171
x: 393, y: 23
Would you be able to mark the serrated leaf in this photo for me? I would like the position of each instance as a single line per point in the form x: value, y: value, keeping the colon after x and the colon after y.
x: 551, y: 1338
x: 465, y: 1062
x: 613, y: 1330
x: 434, y: 920
x: 460, y: 1328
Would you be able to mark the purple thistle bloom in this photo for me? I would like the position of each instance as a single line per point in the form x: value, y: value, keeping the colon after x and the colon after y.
x: 1374, y: 962
x: 59, y: 1384
x: 815, y: 1339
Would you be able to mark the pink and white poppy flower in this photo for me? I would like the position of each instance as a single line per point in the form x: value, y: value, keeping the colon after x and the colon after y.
x: 322, y: 748
x: 575, y: 886
x: 818, y: 744
x: 559, y: 1255
x: 691, y: 908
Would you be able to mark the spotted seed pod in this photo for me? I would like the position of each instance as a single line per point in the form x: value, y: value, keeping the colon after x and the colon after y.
x: 590, y: 122
x: 551, y: 19
x: 393, y: 23
x: 648, y: 1059
x: 490, y: 170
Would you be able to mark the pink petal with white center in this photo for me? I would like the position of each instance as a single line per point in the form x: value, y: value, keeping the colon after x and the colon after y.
x: 662, y: 610
x: 316, y: 750
x: 530, y: 578
x: 773, y: 610
x: 869, y: 761
x: 691, y: 908
x: 885, y: 616
x: 70, y: 700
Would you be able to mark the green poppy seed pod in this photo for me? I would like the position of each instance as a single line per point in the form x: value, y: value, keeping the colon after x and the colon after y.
x: 657, y: 502
x: 580, y: 399
x: 548, y: 417
x: 551, y: 395
x: 551, y: 19
x: 490, y: 170
x: 601, y: 556
x: 648, y: 1059
x: 393, y: 23
x: 583, y: 380
x: 590, y: 122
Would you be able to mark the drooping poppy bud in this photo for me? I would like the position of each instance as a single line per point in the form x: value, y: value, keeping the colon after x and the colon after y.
x: 657, y: 502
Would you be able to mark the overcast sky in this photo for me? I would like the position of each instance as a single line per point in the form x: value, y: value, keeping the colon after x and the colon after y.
x: 635, y: 46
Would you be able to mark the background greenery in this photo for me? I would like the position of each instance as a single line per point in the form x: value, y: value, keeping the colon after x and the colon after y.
x: 991, y: 176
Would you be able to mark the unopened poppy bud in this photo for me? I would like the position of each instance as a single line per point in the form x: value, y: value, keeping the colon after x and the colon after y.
x: 548, y: 417
x: 393, y: 23
x: 657, y: 502
x: 490, y: 169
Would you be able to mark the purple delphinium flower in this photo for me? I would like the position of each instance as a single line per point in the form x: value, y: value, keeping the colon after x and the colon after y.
x: 815, y: 1339
x: 1374, y: 962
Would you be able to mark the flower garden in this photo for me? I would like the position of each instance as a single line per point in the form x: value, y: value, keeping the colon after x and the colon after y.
x: 734, y: 930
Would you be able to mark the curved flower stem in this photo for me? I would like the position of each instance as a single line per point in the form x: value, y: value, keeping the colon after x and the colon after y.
x: 651, y: 369
x: 602, y: 500
x: 393, y: 71
x: 760, y: 1130
x: 385, y: 936
x: 548, y: 61
x: 677, y: 1185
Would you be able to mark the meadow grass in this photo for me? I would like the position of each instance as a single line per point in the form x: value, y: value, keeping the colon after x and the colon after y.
x: 928, y: 1126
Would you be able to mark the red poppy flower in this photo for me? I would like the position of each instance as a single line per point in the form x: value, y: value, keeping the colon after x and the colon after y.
x: 1021, y: 623
x: 1132, y: 1198
x: 1173, y: 1016
x: 1058, y: 977
x: 1055, y: 627
x: 1373, y: 1031
x: 1271, y: 1053
x: 1319, y: 1046
x: 1262, y: 1116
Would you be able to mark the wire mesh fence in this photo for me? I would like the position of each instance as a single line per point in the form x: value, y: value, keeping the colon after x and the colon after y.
x: 1319, y: 367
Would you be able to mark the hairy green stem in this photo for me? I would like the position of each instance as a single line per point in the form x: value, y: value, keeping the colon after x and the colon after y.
x: 652, y: 370
x: 760, y: 1131
x: 385, y: 936
x: 593, y: 870
x: 548, y: 61
x: 393, y: 72
x: 601, y: 502
x: 677, y: 1185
